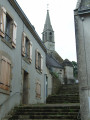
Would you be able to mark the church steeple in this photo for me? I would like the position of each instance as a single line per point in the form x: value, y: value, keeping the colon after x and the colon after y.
x: 48, y: 25
x: 48, y: 34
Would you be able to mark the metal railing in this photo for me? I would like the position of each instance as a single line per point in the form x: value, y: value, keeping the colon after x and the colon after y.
x: 79, y: 116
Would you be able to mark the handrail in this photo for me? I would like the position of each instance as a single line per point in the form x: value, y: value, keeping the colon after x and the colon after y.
x: 79, y: 116
x: 9, y: 98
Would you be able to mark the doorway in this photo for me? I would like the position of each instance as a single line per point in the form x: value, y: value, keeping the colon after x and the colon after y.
x: 25, y: 88
x: 46, y: 86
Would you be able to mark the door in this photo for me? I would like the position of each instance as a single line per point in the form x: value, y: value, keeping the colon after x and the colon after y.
x: 25, y: 88
x: 46, y: 86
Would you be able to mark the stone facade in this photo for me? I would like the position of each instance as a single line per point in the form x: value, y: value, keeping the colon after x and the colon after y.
x: 82, y: 23
x: 24, y: 55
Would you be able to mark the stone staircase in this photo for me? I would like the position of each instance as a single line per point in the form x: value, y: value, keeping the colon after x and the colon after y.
x: 64, y: 106
x: 67, y: 94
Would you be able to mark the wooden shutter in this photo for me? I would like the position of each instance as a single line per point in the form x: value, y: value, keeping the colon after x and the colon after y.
x: 38, y: 89
x: 23, y: 43
x: 41, y: 63
x: 2, y: 21
x: 14, y: 32
x: 36, y: 58
x: 30, y: 49
x: 8, y: 72
x: 5, y: 73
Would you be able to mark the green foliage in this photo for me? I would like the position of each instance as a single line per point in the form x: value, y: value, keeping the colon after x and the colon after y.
x: 75, y: 69
x: 54, y: 74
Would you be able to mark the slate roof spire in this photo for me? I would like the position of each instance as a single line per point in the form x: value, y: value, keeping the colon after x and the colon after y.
x: 48, y: 25
x: 48, y: 34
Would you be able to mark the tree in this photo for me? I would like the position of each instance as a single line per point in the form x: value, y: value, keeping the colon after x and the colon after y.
x: 75, y: 69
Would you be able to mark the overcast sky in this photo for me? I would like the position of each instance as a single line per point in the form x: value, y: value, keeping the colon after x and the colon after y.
x: 62, y: 20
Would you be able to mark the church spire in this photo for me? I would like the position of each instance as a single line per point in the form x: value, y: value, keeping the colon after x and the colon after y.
x: 48, y: 25
x: 48, y: 34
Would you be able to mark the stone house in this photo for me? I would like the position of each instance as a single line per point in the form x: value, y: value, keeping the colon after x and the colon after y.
x: 82, y: 27
x: 24, y: 77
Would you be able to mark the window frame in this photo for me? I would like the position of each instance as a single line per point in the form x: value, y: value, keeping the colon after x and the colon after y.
x: 26, y: 56
x: 12, y: 30
x: 38, y: 64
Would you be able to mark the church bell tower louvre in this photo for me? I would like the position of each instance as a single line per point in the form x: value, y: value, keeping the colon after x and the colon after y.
x: 48, y: 34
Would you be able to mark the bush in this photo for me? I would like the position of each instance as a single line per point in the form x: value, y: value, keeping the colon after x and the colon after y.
x: 54, y: 74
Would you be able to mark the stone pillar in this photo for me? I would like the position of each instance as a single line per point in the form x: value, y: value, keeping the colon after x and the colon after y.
x: 82, y: 31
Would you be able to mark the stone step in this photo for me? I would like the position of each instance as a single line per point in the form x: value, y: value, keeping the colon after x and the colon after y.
x: 64, y: 106
x: 48, y: 106
x: 63, y: 98
x: 65, y: 102
x: 47, y: 113
x: 38, y: 119
x: 55, y: 101
x: 57, y: 116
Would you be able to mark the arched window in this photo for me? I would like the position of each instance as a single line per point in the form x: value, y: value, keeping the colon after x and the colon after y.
x: 50, y: 36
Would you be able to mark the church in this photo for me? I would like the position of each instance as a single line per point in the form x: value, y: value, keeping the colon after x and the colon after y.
x: 63, y: 68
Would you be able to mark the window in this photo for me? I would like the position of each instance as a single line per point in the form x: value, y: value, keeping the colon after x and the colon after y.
x: 26, y: 47
x: 5, y: 73
x: 7, y: 30
x: 50, y: 36
x: 39, y: 61
x: 8, y: 27
x: 50, y: 33
x: 38, y: 89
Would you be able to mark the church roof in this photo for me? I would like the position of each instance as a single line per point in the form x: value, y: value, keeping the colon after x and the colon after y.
x: 66, y: 62
x: 48, y: 25
x: 57, y: 57
x: 52, y: 62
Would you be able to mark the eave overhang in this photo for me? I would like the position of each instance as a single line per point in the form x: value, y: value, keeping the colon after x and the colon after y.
x: 26, y: 21
x: 84, y: 11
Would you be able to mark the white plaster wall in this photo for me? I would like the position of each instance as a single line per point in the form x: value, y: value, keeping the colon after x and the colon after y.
x: 19, y: 64
x: 69, y: 72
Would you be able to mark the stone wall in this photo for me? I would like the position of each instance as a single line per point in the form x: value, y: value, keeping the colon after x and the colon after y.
x: 55, y: 85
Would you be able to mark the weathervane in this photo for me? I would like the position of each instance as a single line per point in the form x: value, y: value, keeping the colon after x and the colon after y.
x: 47, y: 6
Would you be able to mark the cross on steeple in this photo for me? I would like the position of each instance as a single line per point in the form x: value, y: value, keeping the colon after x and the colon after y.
x: 47, y: 6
